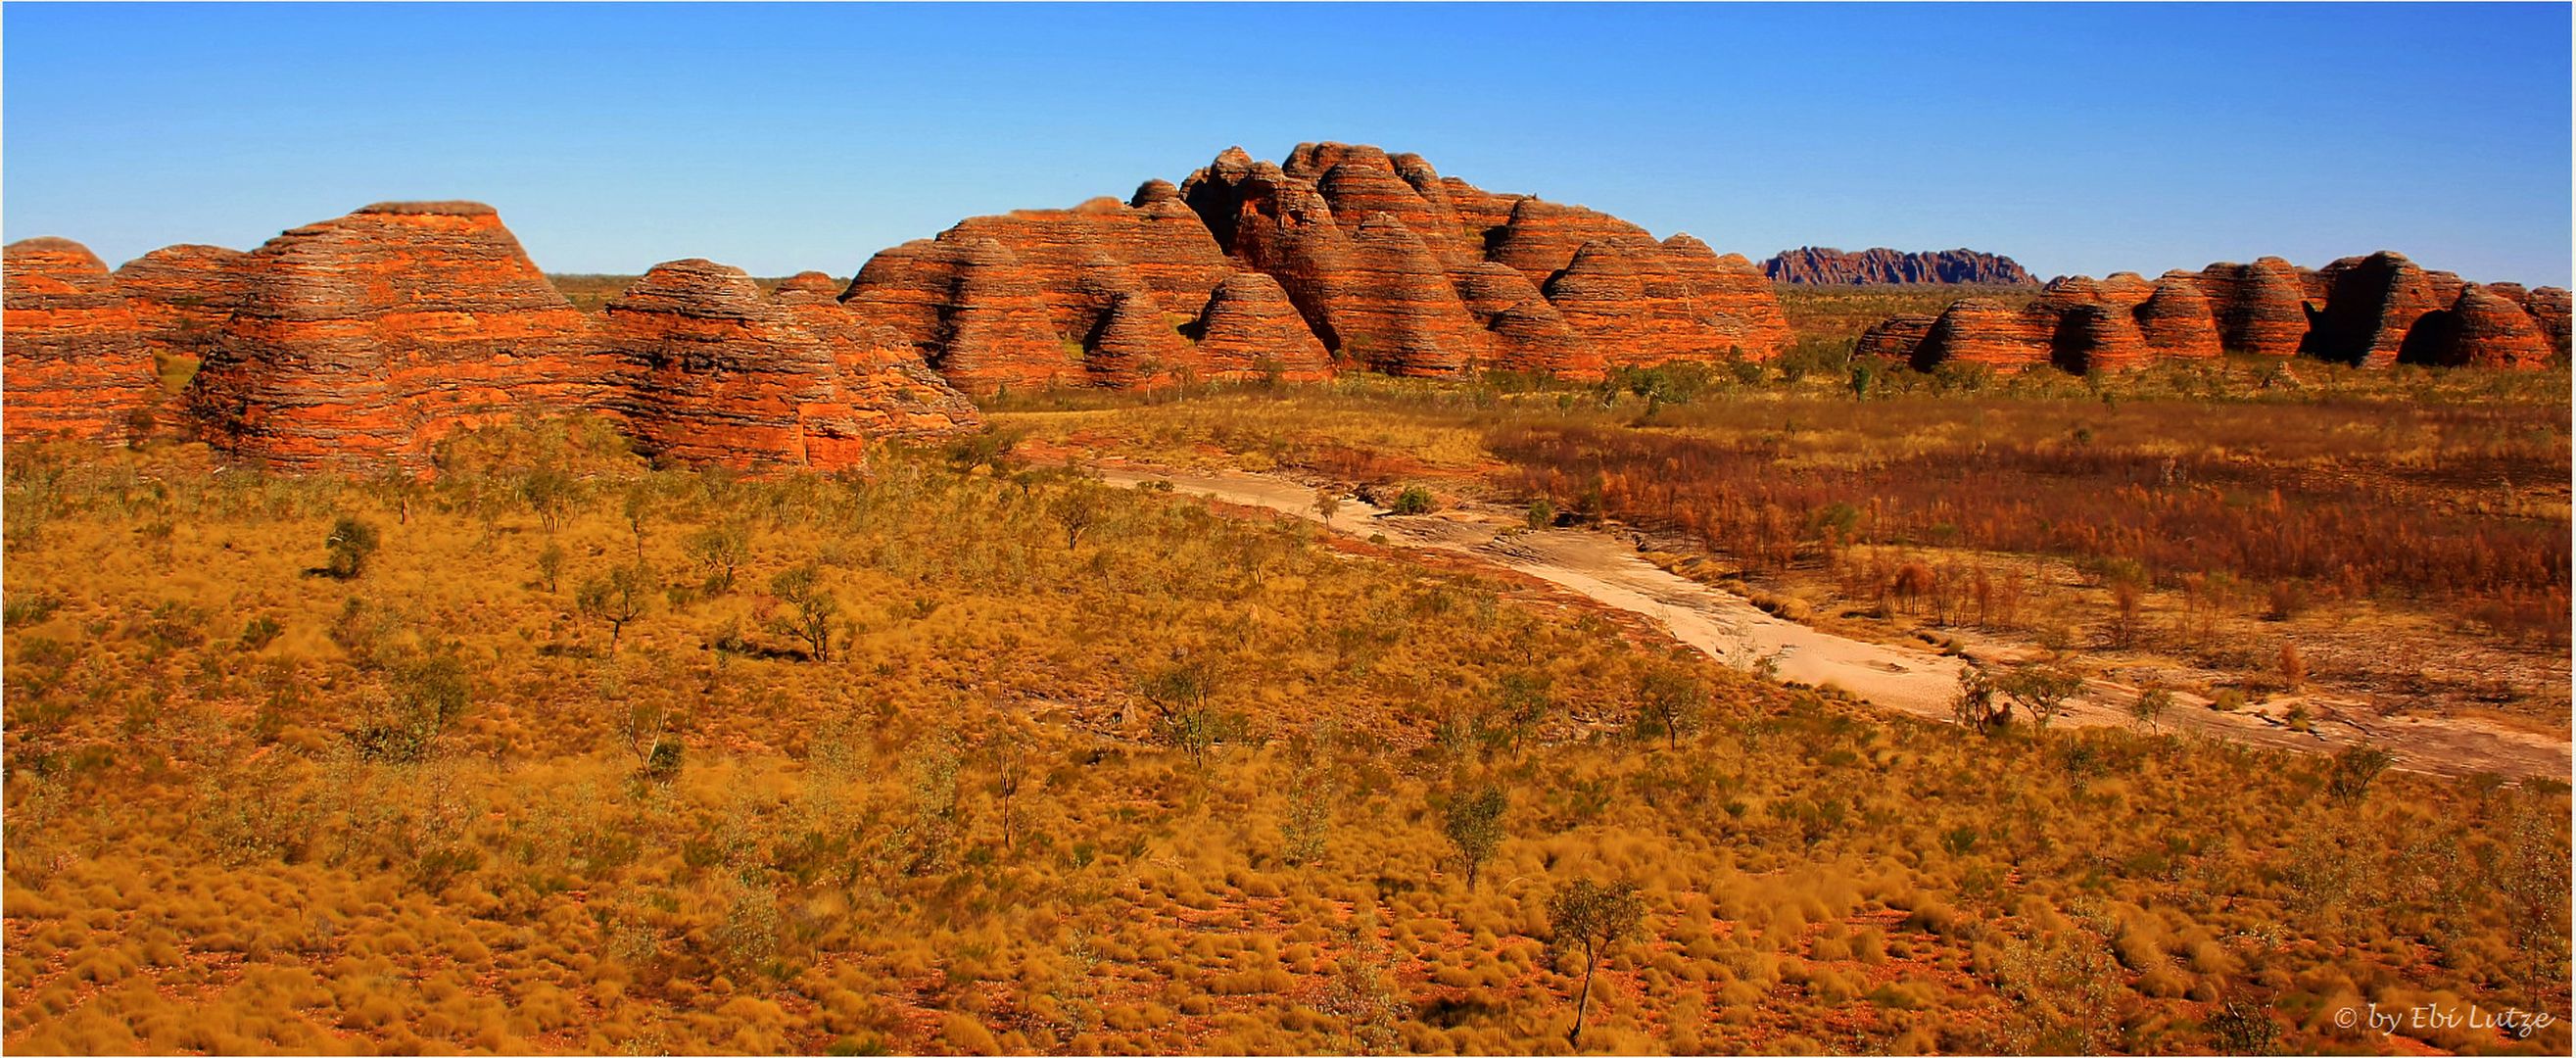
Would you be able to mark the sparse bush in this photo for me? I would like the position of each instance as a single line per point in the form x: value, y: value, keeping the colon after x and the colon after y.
x: 351, y: 543
x: 2042, y: 691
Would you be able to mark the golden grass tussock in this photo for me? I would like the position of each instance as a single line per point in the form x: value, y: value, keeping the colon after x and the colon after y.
x: 885, y: 762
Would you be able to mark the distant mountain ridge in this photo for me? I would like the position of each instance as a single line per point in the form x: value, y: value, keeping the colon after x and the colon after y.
x: 1824, y: 266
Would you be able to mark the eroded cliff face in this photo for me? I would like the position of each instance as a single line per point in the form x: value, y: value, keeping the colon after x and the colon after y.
x: 1389, y: 265
x: 77, y: 363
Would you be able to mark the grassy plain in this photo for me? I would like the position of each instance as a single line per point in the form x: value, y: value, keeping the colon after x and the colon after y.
x: 959, y: 755
x: 2396, y: 540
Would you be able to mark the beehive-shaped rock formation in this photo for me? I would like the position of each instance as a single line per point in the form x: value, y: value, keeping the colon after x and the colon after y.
x: 2176, y: 320
x: 183, y: 296
x: 880, y: 387
x: 76, y: 364
x: 1248, y: 330
x: 2370, y: 305
x: 1360, y: 239
x: 2259, y: 308
x: 1989, y: 333
x: 1894, y: 339
x: 712, y: 372
x: 363, y: 340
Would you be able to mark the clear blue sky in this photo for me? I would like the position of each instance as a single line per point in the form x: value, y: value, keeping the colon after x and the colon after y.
x: 2075, y: 138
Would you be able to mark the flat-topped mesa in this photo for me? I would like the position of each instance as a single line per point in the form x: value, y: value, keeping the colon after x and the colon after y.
x: 1248, y: 330
x: 364, y: 340
x: 2260, y: 308
x: 76, y: 363
x: 1812, y: 265
x: 2371, y: 303
x: 183, y: 296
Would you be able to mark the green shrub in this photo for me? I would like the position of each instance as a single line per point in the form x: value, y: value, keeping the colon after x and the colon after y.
x: 1413, y: 500
x: 351, y: 543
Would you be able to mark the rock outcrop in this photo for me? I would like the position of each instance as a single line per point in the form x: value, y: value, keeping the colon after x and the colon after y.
x: 362, y: 341
x: 2547, y: 306
x: 1248, y: 330
x: 712, y: 372
x: 2482, y: 328
x: 1988, y: 333
x: 358, y: 343
x: 1817, y: 266
x: 2370, y: 305
x: 1019, y: 299
x: 183, y: 296
x: 2259, y: 308
x: 1894, y: 339
x: 76, y: 362
x: 2176, y: 320
x: 1389, y: 266
x: 2375, y: 311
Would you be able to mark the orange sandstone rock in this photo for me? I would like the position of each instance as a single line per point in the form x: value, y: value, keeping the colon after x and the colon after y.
x: 1249, y: 330
x: 362, y: 341
x: 2176, y: 320
x: 75, y: 364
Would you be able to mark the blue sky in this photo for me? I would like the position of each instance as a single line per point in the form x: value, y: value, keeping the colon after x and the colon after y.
x: 2089, y: 138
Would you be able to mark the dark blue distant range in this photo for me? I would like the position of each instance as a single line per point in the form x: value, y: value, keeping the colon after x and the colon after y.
x: 1819, y: 266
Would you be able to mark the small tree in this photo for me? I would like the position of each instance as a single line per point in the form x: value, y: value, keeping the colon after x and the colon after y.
x: 1474, y: 823
x: 2153, y: 701
x: 1524, y: 704
x: 617, y: 598
x: 1185, y: 714
x: 719, y: 550
x: 814, y: 607
x: 550, y: 565
x: 2043, y: 691
x: 351, y: 543
x: 1079, y: 508
x: 549, y: 492
x: 1540, y: 515
x: 1010, y: 770
x: 2350, y: 773
x: 1327, y: 504
x: 1590, y: 917
x: 1670, y: 700
x: 1975, y: 706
